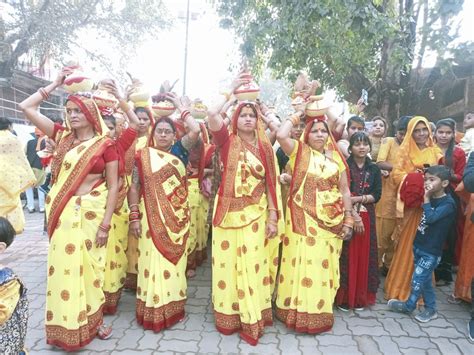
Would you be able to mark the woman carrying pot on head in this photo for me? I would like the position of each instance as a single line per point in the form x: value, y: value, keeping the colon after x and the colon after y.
x: 246, y: 223
x: 79, y: 207
x: 318, y: 219
x: 159, y: 219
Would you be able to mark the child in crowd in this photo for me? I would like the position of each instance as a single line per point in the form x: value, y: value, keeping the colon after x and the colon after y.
x: 13, y: 301
x: 354, y: 124
x: 358, y: 262
x: 467, y: 142
x: 439, y: 210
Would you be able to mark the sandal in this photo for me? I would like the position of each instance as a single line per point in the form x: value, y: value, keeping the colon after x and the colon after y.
x: 104, y: 332
x: 453, y: 299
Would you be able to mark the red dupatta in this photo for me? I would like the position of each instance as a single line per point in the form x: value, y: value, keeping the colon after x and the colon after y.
x: 68, y: 175
x: 267, y: 158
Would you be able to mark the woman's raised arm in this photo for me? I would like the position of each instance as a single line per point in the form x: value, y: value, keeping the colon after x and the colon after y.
x: 30, y: 105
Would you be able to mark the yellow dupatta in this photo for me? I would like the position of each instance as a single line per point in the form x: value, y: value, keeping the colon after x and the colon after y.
x: 72, y: 164
x: 229, y: 196
x: 165, y: 193
x: 16, y: 178
x: 410, y: 157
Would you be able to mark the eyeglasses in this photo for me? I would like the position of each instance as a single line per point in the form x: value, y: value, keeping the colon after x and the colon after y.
x: 164, y: 131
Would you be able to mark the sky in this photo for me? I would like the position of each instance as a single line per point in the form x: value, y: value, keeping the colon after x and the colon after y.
x: 211, y: 51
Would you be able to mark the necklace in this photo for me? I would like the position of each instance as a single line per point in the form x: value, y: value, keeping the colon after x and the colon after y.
x: 83, y: 140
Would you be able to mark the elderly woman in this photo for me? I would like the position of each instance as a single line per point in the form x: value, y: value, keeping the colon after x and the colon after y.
x: 159, y: 218
x: 246, y: 217
x: 318, y: 219
x: 85, y: 176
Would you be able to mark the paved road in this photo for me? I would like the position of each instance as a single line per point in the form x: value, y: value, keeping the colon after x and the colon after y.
x: 372, y: 331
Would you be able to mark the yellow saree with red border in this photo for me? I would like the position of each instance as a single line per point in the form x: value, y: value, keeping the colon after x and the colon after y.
x: 244, y: 261
x: 161, y: 287
x: 74, y: 296
x: 132, y: 242
x: 309, y: 273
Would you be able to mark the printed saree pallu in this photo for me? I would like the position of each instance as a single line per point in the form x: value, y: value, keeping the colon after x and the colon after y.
x: 132, y: 242
x: 309, y: 272
x: 161, y: 287
x: 74, y: 297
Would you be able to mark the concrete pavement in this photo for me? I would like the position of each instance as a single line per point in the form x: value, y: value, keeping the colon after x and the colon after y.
x: 372, y: 331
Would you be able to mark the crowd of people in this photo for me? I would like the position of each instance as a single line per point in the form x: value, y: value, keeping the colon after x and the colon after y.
x: 304, y: 213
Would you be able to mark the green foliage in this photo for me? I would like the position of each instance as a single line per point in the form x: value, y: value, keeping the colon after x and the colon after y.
x: 346, y: 44
x: 51, y: 28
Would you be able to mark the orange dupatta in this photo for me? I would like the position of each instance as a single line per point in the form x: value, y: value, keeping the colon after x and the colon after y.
x: 72, y: 164
x: 165, y: 193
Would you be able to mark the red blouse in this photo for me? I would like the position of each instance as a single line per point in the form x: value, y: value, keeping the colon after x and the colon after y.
x: 459, y: 163
x: 110, y: 153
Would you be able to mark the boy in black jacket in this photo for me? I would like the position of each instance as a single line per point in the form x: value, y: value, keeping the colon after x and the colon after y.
x: 439, y: 210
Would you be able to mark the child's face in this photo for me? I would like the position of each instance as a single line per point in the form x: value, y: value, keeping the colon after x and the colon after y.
x: 468, y: 121
x: 360, y: 149
x: 434, y: 184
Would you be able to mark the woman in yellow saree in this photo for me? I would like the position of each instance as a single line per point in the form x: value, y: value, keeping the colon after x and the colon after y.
x: 13, y: 180
x: 160, y: 221
x: 416, y: 152
x: 199, y: 158
x: 79, y: 210
x: 318, y: 219
x: 125, y: 139
x: 145, y: 118
x: 247, y: 218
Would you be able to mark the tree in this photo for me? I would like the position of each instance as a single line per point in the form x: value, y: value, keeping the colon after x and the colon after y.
x: 50, y: 28
x: 348, y: 45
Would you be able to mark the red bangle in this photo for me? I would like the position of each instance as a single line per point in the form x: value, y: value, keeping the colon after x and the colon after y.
x: 104, y: 228
x: 185, y: 114
x: 134, y: 216
x: 43, y: 93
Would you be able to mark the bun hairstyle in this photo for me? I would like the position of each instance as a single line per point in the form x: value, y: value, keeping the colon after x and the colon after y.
x: 448, y: 156
x: 5, y: 123
x: 402, y: 124
x: 7, y: 232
